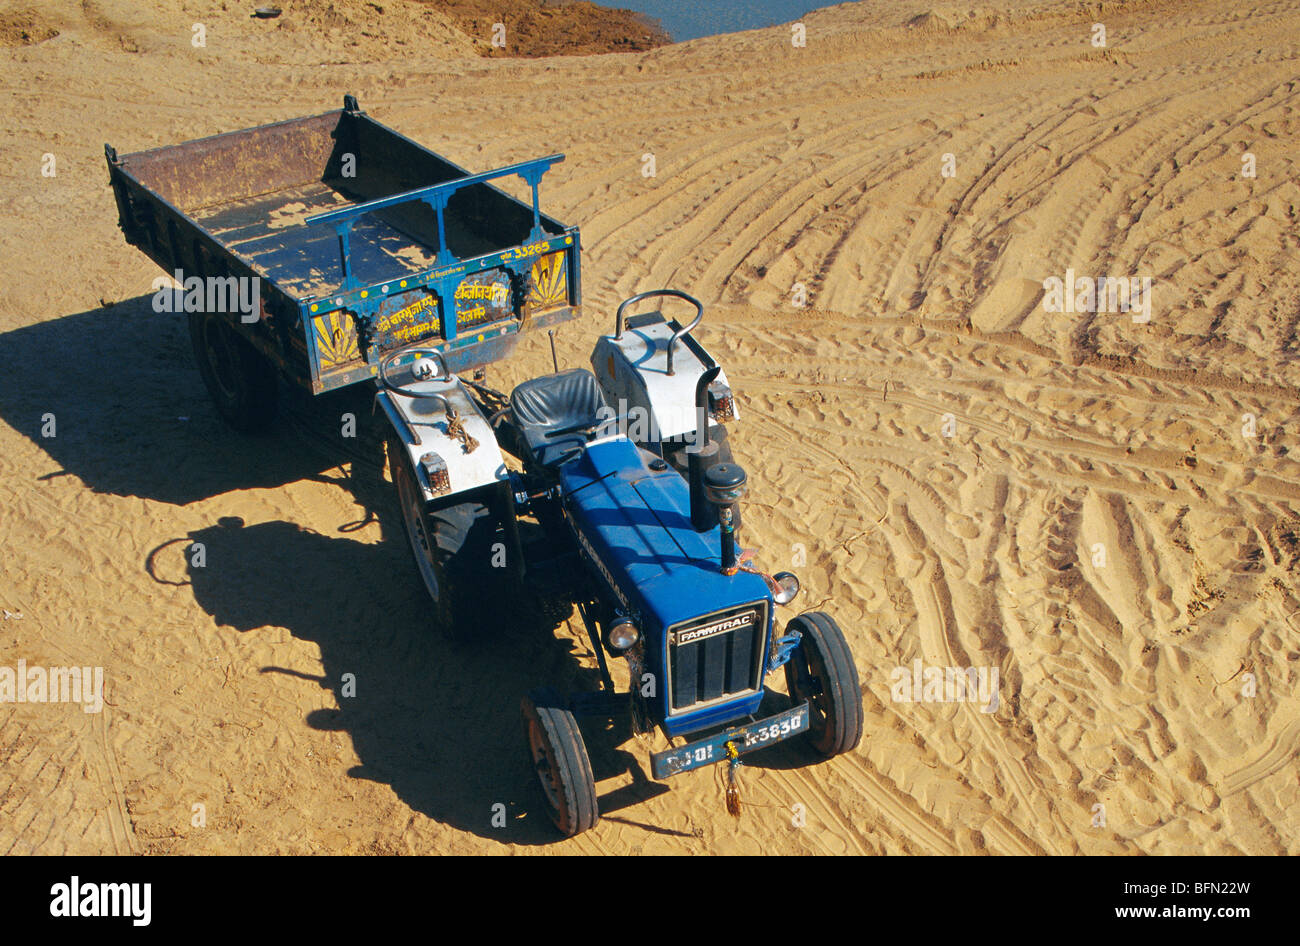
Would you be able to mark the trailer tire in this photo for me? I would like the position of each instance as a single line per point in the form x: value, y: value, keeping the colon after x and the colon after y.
x: 560, y: 761
x: 242, y: 382
x: 822, y: 673
x: 451, y: 546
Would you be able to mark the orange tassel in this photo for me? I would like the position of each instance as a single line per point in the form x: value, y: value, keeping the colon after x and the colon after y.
x: 732, y: 794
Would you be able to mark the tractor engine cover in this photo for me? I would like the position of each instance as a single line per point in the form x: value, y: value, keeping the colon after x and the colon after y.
x: 633, y: 373
x: 705, y: 633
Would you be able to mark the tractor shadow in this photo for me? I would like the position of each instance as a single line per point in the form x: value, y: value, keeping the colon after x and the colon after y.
x: 130, y: 415
x: 436, y: 720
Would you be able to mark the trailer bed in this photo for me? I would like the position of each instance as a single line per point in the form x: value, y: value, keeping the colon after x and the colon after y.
x: 409, y: 250
x: 268, y: 231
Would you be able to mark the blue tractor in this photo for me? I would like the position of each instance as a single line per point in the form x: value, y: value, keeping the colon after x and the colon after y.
x: 331, y: 251
x: 628, y: 473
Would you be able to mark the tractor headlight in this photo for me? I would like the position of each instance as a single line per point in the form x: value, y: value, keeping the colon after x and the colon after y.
x: 623, y: 635
x: 787, y: 586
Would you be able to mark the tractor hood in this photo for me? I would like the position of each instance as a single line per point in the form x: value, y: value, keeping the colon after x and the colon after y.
x: 634, y: 523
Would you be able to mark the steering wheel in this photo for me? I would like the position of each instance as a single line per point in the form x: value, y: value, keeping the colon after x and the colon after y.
x: 449, y: 412
x: 433, y: 353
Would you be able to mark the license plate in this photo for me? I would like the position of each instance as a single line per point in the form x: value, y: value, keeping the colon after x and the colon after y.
x: 748, y: 738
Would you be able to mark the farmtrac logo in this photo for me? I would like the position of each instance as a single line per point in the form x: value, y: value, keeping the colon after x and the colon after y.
x: 717, y: 627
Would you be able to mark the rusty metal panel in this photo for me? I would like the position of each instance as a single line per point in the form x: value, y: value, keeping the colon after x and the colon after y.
x: 242, y: 164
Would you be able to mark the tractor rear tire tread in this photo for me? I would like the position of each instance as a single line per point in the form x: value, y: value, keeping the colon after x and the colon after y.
x: 462, y: 536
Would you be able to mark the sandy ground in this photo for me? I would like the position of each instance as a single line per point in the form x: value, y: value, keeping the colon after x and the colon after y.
x: 1157, y: 680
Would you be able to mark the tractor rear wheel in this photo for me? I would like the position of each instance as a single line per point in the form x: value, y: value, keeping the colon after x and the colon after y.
x: 559, y: 758
x: 821, y: 673
x: 241, y: 380
x: 452, y: 547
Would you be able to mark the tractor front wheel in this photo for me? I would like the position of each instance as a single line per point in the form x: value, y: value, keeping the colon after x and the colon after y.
x: 559, y: 758
x: 821, y: 673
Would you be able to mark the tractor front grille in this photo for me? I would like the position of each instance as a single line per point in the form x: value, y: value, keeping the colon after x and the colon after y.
x: 716, y: 657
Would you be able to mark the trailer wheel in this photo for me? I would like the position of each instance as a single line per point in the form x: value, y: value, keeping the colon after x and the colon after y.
x: 559, y: 758
x: 822, y: 673
x: 242, y: 382
x: 452, y: 546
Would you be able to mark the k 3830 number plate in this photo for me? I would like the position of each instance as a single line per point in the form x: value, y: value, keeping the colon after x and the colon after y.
x: 748, y: 738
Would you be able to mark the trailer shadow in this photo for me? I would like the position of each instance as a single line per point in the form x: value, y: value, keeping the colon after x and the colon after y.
x: 437, y: 721
x: 113, y: 396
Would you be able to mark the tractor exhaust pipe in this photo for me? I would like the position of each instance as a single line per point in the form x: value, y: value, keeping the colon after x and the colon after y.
x: 701, y: 455
x: 715, y: 487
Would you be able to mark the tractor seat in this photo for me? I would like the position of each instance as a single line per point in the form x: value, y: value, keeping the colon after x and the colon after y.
x: 554, y: 402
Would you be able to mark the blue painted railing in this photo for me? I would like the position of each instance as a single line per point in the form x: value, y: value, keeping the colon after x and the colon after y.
x: 436, y: 196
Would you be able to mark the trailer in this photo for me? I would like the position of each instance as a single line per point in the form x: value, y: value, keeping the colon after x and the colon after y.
x: 362, y: 242
x: 330, y: 251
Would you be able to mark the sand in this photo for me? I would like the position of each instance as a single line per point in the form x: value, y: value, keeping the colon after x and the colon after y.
x: 1103, y: 509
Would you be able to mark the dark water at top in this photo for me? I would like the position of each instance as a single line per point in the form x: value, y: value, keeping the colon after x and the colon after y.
x: 685, y: 19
